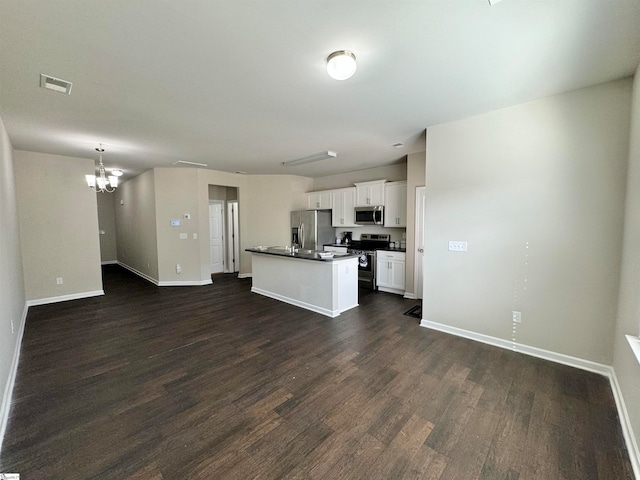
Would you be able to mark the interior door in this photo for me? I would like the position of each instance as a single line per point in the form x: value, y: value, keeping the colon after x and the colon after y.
x: 216, y: 235
x: 419, y: 242
x: 233, y: 238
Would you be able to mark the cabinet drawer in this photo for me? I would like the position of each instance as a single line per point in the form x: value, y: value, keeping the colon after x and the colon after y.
x: 385, y: 255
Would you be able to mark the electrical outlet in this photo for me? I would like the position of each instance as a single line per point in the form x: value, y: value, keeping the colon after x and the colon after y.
x: 195, y: 236
x: 178, y: 268
x: 59, y: 280
x: 456, y: 246
x: 12, y: 327
x: 516, y: 317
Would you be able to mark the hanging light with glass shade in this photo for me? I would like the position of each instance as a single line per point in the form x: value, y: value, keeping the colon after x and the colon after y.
x: 103, y: 183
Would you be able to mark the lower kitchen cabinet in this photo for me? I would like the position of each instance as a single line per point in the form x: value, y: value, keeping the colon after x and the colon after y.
x: 390, y: 271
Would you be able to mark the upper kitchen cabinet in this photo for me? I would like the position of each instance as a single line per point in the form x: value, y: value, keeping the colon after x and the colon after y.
x: 343, y: 207
x: 395, y: 204
x: 370, y: 193
x: 319, y: 200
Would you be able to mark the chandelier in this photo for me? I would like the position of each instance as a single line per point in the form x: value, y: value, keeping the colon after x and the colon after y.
x: 101, y: 183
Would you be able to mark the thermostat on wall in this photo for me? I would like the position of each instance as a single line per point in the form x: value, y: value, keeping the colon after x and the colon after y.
x: 175, y: 223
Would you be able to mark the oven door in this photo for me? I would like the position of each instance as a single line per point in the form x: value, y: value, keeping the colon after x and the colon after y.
x: 367, y: 270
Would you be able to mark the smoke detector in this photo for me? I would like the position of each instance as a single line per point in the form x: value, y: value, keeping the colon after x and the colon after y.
x: 55, y: 84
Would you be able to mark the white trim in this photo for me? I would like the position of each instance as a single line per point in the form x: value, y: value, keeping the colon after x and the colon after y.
x: 409, y: 295
x: 109, y: 262
x: 635, y: 345
x: 5, y: 407
x: 140, y: 274
x: 518, y: 347
x: 298, y: 303
x: 606, y: 370
x: 245, y: 275
x: 625, y: 423
x: 186, y: 283
x: 64, y: 298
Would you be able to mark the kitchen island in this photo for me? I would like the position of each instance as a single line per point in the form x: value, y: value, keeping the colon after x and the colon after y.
x: 328, y: 286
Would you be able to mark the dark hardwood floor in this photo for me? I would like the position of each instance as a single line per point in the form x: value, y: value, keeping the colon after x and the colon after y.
x: 215, y: 382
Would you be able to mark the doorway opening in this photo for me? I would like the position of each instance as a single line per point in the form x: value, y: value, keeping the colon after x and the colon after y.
x: 224, y: 237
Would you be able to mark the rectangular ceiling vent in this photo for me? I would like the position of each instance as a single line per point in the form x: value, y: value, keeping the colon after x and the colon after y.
x: 55, y: 84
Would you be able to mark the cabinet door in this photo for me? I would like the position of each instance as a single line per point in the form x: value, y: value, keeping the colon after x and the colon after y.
x: 343, y: 214
x: 319, y: 200
x: 383, y: 273
x: 363, y: 196
x: 395, y: 214
x: 337, y: 212
x: 376, y: 194
x: 397, y: 274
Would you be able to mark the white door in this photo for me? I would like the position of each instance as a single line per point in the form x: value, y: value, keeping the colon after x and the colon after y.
x: 419, y: 242
x: 216, y: 235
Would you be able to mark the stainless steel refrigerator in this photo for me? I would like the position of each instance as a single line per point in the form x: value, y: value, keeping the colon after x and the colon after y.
x: 311, y: 229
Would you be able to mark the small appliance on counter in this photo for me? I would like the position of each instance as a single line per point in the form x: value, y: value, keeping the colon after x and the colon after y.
x: 347, y: 238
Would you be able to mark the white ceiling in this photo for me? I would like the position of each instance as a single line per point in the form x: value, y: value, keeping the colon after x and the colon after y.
x: 242, y: 85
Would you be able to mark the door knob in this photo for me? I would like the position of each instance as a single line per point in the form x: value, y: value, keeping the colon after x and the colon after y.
x: 421, y: 250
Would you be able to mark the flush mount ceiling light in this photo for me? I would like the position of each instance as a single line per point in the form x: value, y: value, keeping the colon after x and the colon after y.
x: 311, y: 158
x: 101, y: 183
x: 341, y: 65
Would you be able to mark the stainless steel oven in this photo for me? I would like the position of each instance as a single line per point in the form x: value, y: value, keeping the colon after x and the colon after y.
x: 366, y: 247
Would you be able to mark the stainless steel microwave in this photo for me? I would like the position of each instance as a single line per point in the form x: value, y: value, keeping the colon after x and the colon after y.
x: 373, y: 215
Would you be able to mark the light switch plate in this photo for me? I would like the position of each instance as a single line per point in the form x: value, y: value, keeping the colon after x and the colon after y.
x: 183, y: 236
x: 457, y: 246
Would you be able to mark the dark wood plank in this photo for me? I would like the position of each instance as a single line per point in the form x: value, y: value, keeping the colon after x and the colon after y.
x: 213, y: 382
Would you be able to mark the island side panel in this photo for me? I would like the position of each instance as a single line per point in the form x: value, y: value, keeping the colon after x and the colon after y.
x: 345, y: 285
x: 308, y: 284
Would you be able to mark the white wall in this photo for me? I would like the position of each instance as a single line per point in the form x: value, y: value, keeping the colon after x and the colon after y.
x: 625, y: 363
x: 58, y: 219
x: 12, y: 294
x: 537, y: 191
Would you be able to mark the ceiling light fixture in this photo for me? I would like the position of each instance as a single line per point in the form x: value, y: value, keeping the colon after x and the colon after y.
x: 311, y: 158
x: 101, y: 183
x: 341, y: 65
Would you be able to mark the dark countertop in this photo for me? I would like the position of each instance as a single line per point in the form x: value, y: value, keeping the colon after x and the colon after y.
x: 356, y: 245
x: 301, y: 254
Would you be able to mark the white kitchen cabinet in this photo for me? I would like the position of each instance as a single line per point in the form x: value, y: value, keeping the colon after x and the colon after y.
x: 390, y: 271
x: 395, y: 204
x: 342, y: 214
x: 318, y: 200
x: 370, y: 193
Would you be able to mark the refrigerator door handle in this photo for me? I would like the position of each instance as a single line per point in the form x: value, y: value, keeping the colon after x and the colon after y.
x: 301, y: 230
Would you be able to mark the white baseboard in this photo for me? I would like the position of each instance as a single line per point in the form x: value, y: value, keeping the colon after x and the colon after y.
x: 410, y: 296
x: 5, y: 406
x: 109, y: 262
x: 298, y: 303
x: 164, y: 283
x: 139, y: 273
x: 64, y: 298
x: 521, y: 348
x: 625, y: 423
x: 606, y: 370
x: 187, y: 283
x: 245, y: 275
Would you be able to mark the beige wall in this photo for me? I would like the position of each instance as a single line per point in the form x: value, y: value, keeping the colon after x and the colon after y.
x: 136, y: 236
x: 12, y: 295
x: 58, y: 225
x: 392, y: 173
x: 107, y: 224
x: 537, y: 191
x: 625, y: 363
x: 176, y: 195
x: 416, y: 165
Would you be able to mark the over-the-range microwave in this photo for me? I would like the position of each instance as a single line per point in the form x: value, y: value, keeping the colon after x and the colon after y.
x: 373, y: 215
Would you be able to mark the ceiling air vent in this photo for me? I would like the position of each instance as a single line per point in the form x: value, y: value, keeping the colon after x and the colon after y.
x: 55, y: 84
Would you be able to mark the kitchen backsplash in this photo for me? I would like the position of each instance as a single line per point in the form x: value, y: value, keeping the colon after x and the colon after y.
x: 396, y: 233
